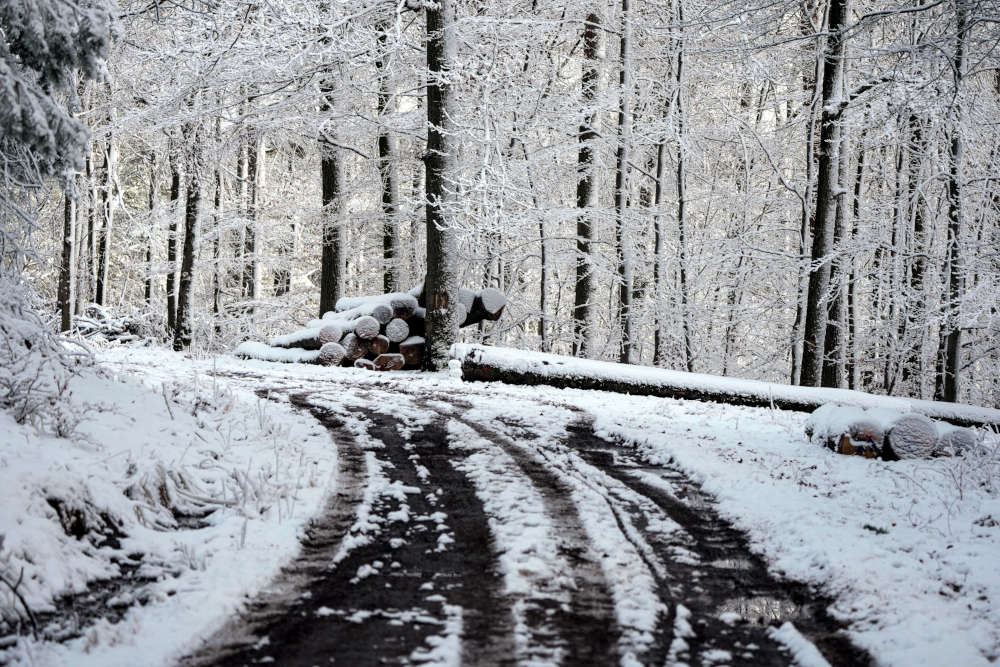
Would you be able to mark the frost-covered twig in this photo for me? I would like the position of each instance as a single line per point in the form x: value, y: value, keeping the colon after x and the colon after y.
x: 13, y: 589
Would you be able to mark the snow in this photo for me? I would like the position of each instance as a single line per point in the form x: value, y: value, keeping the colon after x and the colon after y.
x: 254, y: 350
x: 803, y: 651
x: 907, y: 549
x: 152, y: 417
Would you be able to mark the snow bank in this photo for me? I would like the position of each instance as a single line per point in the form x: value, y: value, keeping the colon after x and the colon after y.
x: 147, y: 450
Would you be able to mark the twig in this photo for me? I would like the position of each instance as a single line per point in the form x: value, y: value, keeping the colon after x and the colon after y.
x: 13, y: 589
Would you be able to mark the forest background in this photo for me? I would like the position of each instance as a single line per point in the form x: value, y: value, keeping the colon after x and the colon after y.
x: 799, y: 191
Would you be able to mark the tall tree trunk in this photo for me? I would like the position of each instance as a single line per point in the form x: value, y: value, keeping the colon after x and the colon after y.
x: 851, y: 364
x: 622, y: 237
x: 913, y: 321
x: 65, y: 291
x: 833, y: 351
x: 950, y: 352
x: 387, y: 169
x: 810, y: 21
x: 217, y: 276
x: 826, y: 195
x: 251, y: 278
x: 586, y: 192
x: 153, y: 195
x: 107, y: 211
x: 659, y: 354
x: 182, y: 330
x: 682, y: 278
x: 441, y: 283
x: 331, y: 284
x: 175, y: 196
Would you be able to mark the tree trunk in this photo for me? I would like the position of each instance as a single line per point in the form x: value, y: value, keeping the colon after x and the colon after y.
x: 833, y: 350
x: 331, y: 283
x: 851, y: 364
x: 622, y: 238
x: 950, y: 352
x: 682, y: 195
x: 65, y: 292
x: 251, y: 282
x: 441, y: 283
x: 175, y: 195
x: 659, y: 354
x: 153, y: 195
x: 811, y: 11
x: 106, y: 208
x: 826, y: 195
x: 217, y: 248
x: 387, y: 172
x: 586, y: 192
x: 182, y: 331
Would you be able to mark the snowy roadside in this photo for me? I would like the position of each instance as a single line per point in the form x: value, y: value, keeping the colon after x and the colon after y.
x: 211, y: 486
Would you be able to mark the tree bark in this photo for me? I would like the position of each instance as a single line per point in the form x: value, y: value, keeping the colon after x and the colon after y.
x: 175, y: 196
x: 950, y: 349
x: 331, y: 284
x: 586, y: 192
x: 251, y: 279
x: 388, y: 174
x: 682, y: 195
x: 65, y: 291
x: 107, y: 212
x: 182, y: 331
x: 441, y: 283
x: 153, y: 195
x: 826, y: 196
x: 622, y: 237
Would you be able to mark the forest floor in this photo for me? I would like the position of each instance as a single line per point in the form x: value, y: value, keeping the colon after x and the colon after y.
x: 304, y: 515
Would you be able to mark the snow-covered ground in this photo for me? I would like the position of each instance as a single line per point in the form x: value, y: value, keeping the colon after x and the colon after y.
x: 910, y: 550
x: 155, y: 440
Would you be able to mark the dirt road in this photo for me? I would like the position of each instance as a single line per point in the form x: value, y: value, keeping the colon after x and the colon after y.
x: 463, y: 532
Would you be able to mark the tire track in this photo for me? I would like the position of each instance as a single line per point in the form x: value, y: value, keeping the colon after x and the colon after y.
x: 235, y: 643
x: 586, y: 628
x: 710, y: 570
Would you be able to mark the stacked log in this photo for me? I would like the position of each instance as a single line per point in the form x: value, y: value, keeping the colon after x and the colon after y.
x: 378, y: 332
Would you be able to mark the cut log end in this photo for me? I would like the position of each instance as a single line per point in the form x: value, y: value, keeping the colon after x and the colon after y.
x: 331, y: 354
x: 389, y: 362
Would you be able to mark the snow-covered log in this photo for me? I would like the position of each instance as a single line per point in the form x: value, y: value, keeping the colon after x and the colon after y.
x: 366, y: 327
x: 378, y: 345
x: 354, y: 347
x: 263, y: 352
x: 331, y: 354
x: 485, y: 363
x: 366, y: 364
x: 412, y: 350
x: 307, y: 339
x: 397, y: 330
x: 389, y: 362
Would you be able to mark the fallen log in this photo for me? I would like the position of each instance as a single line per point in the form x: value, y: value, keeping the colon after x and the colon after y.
x: 366, y: 327
x: 331, y: 354
x: 354, y: 347
x: 389, y: 362
x: 412, y: 350
x: 378, y: 345
x: 484, y: 363
x: 264, y: 352
x: 397, y: 330
x: 489, y: 304
x: 366, y: 364
x: 306, y: 339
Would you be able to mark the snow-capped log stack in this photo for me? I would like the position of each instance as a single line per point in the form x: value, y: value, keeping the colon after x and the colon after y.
x: 379, y: 332
x: 886, y: 433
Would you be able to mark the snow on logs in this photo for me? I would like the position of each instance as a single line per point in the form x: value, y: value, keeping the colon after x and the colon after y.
x: 886, y: 433
x: 379, y: 332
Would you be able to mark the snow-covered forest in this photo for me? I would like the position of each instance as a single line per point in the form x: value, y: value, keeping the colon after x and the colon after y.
x: 689, y: 222
x: 794, y: 191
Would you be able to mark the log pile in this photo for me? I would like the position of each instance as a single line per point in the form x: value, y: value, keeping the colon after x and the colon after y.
x: 885, y: 433
x: 382, y: 332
